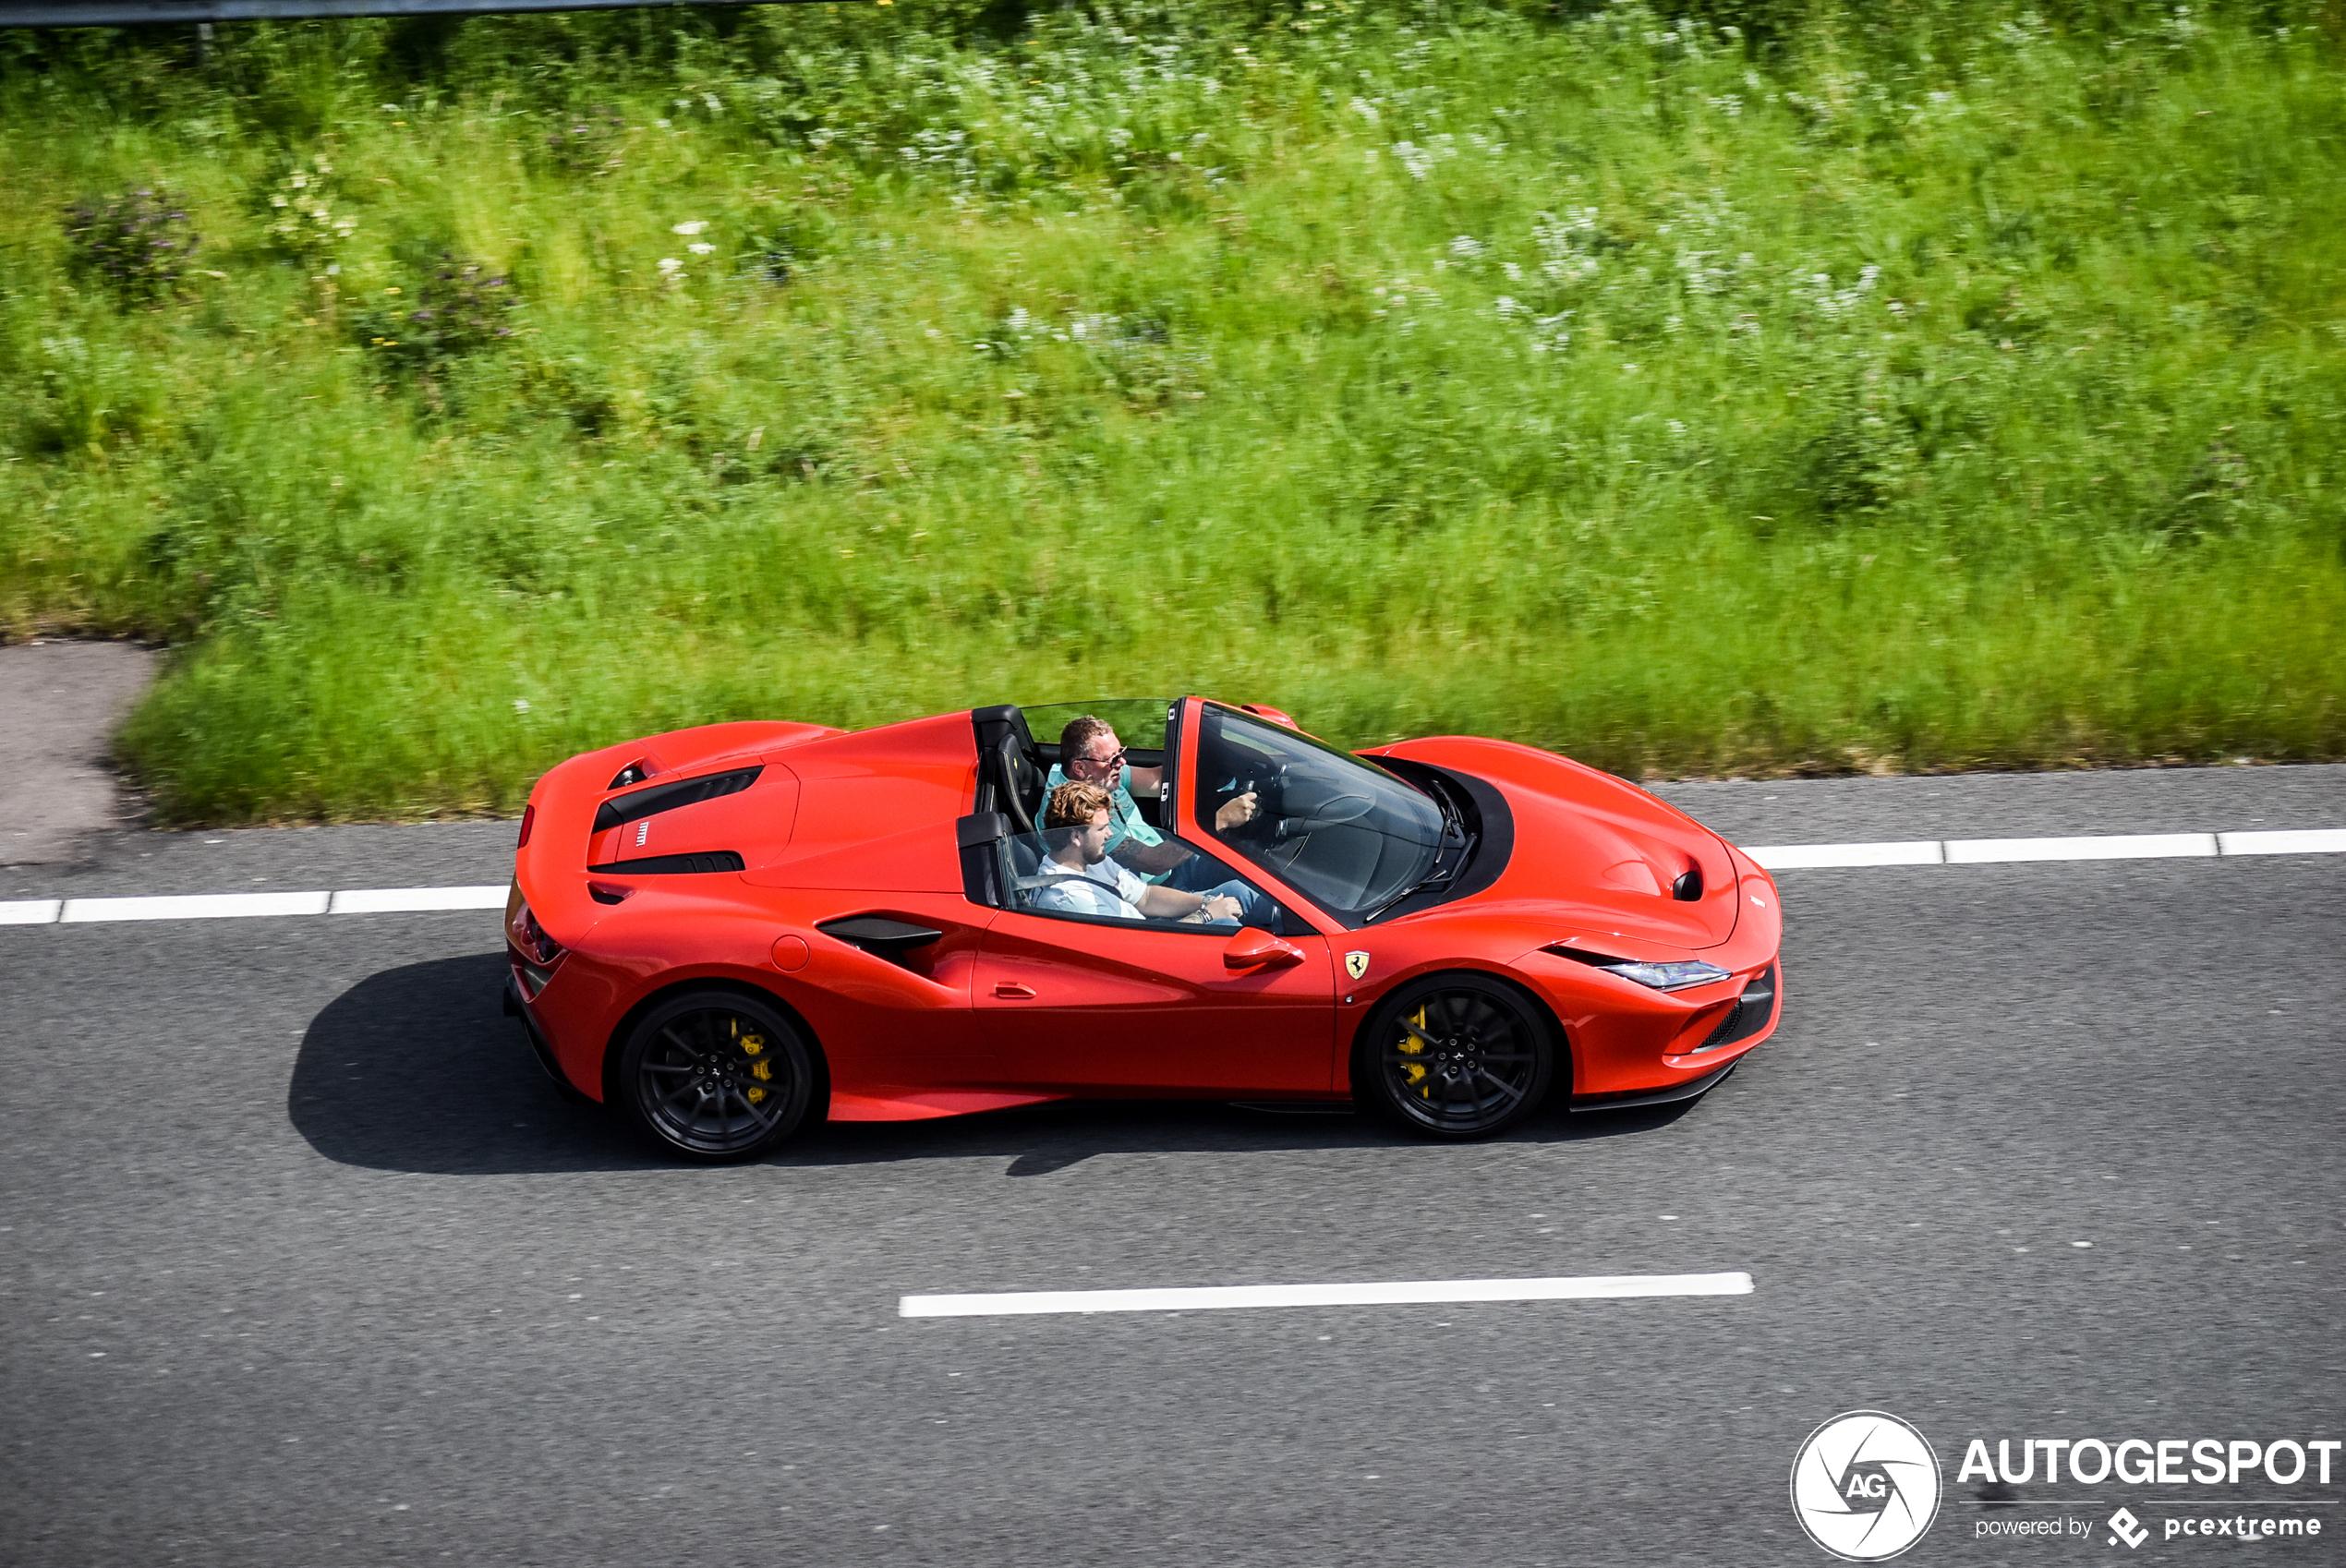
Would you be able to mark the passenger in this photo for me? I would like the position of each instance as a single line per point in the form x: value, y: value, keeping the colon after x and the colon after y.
x: 1090, y: 754
x: 1078, y: 878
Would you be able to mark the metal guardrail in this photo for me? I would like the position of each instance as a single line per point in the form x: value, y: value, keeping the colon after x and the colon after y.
x: 136, y: 13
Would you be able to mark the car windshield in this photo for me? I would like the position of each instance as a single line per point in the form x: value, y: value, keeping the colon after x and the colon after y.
x: 1347, y: 834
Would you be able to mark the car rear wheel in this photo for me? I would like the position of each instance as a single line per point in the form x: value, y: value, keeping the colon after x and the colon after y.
x: 717, y: 1076
x: 1455, y: 1055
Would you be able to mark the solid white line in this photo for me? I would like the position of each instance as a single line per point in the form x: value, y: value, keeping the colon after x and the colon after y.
x: 30, y: 911
x: 194, y: 906
x: 2307, y: 841
x: 1405, y: 1293
x: 1796, y: 857
x: 394, y: 900
x: 2103, y: 847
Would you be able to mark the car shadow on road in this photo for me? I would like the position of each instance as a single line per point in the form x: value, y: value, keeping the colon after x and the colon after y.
x: 417, y: 1069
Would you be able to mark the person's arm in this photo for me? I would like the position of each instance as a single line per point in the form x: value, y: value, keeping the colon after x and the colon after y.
x: 1143, y: 780
x: 1150, y: 859
x: 1171, y: 903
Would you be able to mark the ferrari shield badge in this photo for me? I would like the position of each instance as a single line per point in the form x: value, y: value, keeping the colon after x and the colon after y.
x: 1356, y: 964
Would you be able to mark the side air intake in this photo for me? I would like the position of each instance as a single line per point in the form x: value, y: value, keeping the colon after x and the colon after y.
x: 1748, y: 1016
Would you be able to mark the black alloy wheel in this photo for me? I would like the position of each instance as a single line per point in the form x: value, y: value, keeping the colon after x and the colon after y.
x: 717, y: 1076
x: 1455, y: 1055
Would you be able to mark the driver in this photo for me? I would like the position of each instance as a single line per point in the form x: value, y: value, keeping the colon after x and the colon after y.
x: 1079, y: 878
x: 1090, y: 754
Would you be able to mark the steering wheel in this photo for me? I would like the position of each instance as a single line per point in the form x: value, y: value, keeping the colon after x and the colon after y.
x: 1268, y: 792
x: 1334, y: 811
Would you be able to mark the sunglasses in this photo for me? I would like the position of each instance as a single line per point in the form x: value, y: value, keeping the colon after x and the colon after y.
x: 1113, y: 760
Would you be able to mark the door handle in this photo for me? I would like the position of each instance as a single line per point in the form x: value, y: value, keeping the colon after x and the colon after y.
x: 1011, y: 990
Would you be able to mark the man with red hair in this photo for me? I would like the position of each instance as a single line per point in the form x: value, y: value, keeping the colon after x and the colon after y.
x: 1078, y: 878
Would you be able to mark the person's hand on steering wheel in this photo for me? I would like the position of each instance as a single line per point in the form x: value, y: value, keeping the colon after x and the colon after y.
x: 1235, y: 813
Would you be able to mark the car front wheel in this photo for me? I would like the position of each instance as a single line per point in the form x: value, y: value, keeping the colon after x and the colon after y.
x: 717, y: 1076
x: 1455, y: 1055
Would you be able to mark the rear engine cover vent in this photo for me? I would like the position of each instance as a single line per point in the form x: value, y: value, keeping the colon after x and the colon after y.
x: 674, y: 865
x: 668, y: 797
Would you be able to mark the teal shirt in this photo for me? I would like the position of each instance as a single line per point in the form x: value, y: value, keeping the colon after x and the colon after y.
x: 1124, y: 816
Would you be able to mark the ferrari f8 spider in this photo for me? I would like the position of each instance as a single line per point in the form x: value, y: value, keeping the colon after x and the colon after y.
x: 728, y: 933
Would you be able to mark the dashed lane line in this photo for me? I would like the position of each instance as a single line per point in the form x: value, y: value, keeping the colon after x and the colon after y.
x: 1775, y: 857
x: 194, y: 906
x: 232, y: 906
x: 2093, y: 847
x: 396, y: 900
x: 1592, y: 1288
x: 1801, y: 857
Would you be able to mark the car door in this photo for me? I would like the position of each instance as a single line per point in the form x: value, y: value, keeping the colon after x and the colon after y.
x: 1081, y: 1005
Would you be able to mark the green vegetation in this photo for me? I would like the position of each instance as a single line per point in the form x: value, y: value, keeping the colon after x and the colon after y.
x: 1943, y: 387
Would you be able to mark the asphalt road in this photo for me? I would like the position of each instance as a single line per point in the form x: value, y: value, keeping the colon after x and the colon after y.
x: 301, y: 1262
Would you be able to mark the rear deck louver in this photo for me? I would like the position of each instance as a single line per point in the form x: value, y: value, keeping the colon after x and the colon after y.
x: 668, y: 797
x: 674, y: 865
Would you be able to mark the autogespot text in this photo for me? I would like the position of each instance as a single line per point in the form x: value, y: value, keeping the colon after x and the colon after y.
x: 2151, y: 1462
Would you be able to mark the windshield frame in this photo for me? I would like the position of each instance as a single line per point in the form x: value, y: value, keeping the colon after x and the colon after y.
x: 1186, y: 739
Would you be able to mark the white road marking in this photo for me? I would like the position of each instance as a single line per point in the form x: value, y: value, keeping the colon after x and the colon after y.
x: 1774, y: 857
x: 2103, y: 847
x: 1795, y: 857
x: 2304, y: 841
x: 397, y: 901
x: 1395, y: 1293
x: 193, y: 906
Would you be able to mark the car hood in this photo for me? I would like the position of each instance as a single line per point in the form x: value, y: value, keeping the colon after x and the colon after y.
x: 1593, y: 855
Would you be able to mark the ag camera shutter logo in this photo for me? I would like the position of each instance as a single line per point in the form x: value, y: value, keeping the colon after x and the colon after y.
x: 1865, y: 1486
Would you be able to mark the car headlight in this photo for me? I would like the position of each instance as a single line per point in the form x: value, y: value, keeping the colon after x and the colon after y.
x: 1668, y: 977
x: 1675, y: 976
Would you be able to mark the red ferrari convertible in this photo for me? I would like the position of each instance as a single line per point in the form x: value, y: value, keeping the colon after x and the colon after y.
x: 728, y: 931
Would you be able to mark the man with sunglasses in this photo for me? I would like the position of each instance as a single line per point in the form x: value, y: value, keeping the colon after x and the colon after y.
x: 1089, y: 754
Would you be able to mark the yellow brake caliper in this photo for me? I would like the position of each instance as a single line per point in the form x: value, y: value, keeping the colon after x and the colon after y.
x: 1413, y: 1073
x: 753, y: 1046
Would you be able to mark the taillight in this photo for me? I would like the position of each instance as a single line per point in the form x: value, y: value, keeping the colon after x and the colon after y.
x: 531, y: 938
x: 529, y: 816
x: 539, y: 952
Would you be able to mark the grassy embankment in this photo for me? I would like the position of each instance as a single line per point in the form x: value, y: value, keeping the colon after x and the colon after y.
x: 1916, y: 394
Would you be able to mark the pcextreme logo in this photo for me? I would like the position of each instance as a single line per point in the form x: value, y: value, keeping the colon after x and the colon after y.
x: 1865, y: 1486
